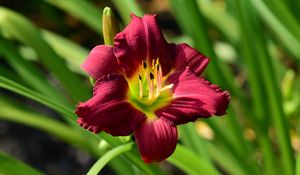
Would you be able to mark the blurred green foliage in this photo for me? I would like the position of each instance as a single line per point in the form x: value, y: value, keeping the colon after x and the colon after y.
x: 254, y: 47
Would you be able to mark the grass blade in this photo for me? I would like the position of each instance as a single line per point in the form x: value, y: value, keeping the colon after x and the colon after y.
x: 30, y: 74
x: 19, y: 89
x: 282, y: 32
x: 11, y: 111
x: 100, y: 163
x: 126, y: 7
x: 187, y: 161
x: 225, y: 22
x: 73, y: 53
x: 18, y: 27
x: 11, y: 166
x: 261, y: 68
x: 83, y: 10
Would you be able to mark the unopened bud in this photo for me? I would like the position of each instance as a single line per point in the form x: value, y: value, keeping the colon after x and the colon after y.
x: 110, y: 26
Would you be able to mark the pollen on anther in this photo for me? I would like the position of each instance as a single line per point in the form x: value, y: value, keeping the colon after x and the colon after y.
x: 151, y: 86
x: 144, y: 64
x: 151, y: 76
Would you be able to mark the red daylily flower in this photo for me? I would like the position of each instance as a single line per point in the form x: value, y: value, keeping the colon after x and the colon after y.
x: 147, y: 86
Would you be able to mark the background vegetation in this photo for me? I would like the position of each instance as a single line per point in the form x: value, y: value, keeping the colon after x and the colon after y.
x: 255, y: 50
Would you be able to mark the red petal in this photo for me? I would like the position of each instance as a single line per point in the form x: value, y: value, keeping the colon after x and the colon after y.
x: 194, y: 98
x: 156, y: 140
x: 142, y: 40
x: 187, y: 56
x: 101, y: 61
x: 108, y: 109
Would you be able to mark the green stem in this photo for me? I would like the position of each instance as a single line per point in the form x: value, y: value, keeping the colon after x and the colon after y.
x: 107, y: 157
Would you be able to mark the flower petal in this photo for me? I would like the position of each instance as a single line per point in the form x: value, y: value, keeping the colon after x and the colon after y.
x: 194, y: 97
x: 187, y: 56
x: 101, y: 61
x: 142, y: 40
x: 156, y: 140
x: 108, y: 109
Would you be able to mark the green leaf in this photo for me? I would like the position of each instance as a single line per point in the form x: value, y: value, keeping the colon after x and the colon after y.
x: 282, y: 32
x: 30, y: 74
x: 265, y: 88
x: 116, y: 151
x: 19, y: 89
x: 73, y: 53
x: 83, y: 10
x: 225, y: 22
x: 12, y: 111
x: 298, y: 165
x: 190, y: 163
x: 126, y: 7
x: 18, y: 27
x: 191, y: 140
x: 285, y: 16
x: 12, y: 166
x: 10, y: 74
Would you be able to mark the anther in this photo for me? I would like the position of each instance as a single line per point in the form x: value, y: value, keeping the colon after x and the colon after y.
x: 151, y: 86
x: 151, y: 76
x: 144, y: 64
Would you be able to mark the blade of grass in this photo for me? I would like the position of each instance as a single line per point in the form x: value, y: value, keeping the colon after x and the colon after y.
x: 30, y: 74
x: 258, y: 55
x: 85, y: 11
x: 12, y: 166
x: 225, y: 159
x: 107, y: 157
x: 18, y: 27
x: 191, y: 139
x: 297, y: 172
x: 126, y: 7
x: 225, y: 22
x: 255, y: 82
x: 186, y: 160
x: 7, y: 72
x: 285, y: 16
x: 9, y: 111
x: 282, y: 32
x: 73, y: 53
x: 19, y: 89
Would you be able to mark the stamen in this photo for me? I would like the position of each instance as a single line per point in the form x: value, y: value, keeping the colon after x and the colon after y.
x: 153, y: 64
x: 140, y: 86
x: 170, y: 86
x: 158, y: 79
x: 151, y: 86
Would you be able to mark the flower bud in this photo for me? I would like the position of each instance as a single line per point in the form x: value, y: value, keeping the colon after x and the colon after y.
x: 110, y: 26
